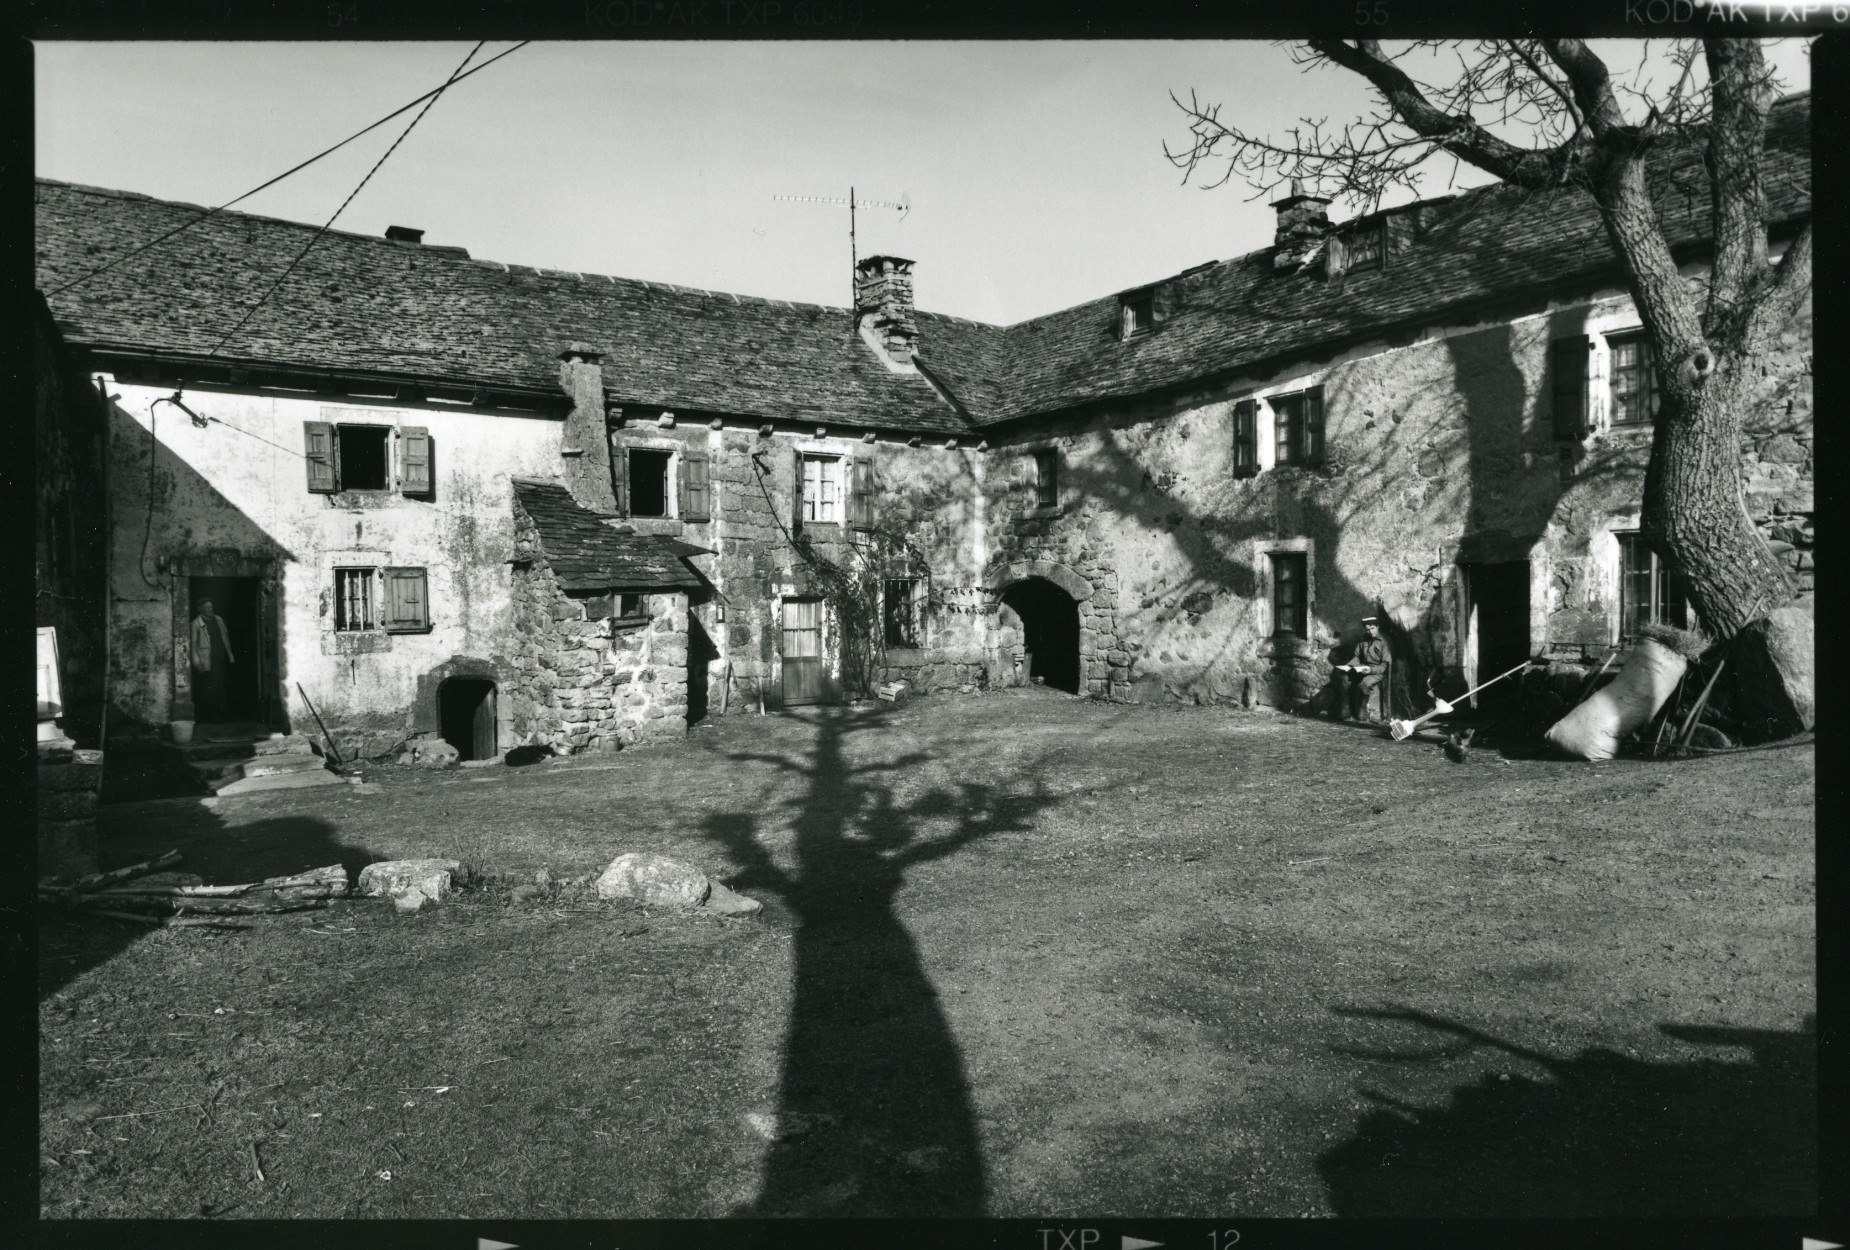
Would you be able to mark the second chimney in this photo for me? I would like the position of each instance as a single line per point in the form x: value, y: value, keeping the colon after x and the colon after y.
x: 1303, y: 221
x: 883, y: 306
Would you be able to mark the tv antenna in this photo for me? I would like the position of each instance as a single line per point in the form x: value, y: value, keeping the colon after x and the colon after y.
x: 851, y: 204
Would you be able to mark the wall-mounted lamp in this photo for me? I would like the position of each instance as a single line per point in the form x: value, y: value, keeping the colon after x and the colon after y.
x: 177, y: 402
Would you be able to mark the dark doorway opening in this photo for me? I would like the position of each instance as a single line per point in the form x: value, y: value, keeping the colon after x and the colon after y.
x: 466, y: 716
x: 701, y: 652
x: 1499, y: 596
x: 230, y: 689
x: 1050, y: 631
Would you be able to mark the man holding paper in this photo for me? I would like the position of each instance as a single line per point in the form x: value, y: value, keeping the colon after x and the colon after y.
x: 1366, y: 668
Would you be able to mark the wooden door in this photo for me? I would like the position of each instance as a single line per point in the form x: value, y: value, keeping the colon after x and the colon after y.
x: 803, y: 676
x: 483, y: 726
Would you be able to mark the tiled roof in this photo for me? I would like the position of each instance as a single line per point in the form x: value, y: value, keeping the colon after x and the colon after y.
x: 1468, y: 251
x: 369, y: 305
x: 365, y: 304
x: 586, y: 553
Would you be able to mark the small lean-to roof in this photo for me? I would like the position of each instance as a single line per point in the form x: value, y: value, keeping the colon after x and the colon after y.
x: 359, y: 304
x: 587, y: 553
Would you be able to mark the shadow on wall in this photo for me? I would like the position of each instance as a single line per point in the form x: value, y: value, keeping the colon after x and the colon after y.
x: 874, y: 1104
x: 154, y: 492
x: 222, y: 852
x: 1601, y: 1134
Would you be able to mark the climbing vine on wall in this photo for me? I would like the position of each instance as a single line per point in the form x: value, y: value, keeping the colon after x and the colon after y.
x: 851, y: 587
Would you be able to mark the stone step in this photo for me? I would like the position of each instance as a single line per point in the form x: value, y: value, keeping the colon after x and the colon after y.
x: 280, y: 781
x: 269, y: 765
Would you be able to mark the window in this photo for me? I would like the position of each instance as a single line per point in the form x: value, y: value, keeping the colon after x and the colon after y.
x: 1245, y: 438
x: 648, y: 480
x: 395, y: 600
x: 1650, y: 591
x: 1139, y: 313
x: 1634, y: 379
x: 1298, y: 427
x: 361, y: 457
x: 903, y: 600
x: 1367, y: 246
x: 630, y: 606
x: 1290, y: 596
x: 1046, y: 478
x: 821, y: 490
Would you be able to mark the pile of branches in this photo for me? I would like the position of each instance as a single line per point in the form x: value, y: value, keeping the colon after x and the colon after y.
x: 127, y: 894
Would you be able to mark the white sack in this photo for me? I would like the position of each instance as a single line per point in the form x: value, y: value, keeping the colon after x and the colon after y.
x: 1648, y: 677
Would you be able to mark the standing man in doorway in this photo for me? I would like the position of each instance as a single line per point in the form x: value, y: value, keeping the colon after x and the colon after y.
x: 1366, y: 668
x: 212, y: 661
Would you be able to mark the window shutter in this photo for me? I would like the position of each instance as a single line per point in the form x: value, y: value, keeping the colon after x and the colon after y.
x: 1162, y: 303
x: 1313, y: 425
x: 696, y: 490
x: 414, y: 473
x: 861, y: 493
x: 796, y: 490
x: 620, y: 475
x: 1571, y: 388
x: 323, y: 471
x: 407, y: 602
x: 1245, y: 438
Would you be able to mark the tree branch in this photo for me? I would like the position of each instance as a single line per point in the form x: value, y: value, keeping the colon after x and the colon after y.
x: 1742, y: 97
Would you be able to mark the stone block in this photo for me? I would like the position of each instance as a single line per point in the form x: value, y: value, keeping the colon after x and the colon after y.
x: 392, y: 877
x: 72, y: 776
x: 653, y: 880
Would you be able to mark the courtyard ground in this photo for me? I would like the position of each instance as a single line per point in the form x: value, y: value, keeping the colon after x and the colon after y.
x: 1020, y: 955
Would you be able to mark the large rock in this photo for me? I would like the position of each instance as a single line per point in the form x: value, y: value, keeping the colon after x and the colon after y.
x: 429, y: 753
x: 399, y: 878
x: 1775, y: 668
x: 729, y: 902
x: 655, y: 880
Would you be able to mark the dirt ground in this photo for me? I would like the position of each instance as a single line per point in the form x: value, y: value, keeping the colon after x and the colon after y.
x: 1020, y: 955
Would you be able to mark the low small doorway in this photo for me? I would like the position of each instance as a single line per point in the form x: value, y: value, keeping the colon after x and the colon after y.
x: 1498, y: 628
x: 466, y: 716
x: 1050, y: 631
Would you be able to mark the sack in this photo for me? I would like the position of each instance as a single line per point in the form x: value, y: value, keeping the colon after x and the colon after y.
x: 1593, y: 730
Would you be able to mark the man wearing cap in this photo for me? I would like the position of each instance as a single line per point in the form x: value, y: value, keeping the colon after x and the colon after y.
x: 1366, y: 668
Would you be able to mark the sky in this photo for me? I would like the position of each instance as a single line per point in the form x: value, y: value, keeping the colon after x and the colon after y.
x: 1034, y: 172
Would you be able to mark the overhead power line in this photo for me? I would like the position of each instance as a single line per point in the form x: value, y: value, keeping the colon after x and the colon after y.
x: 193, y: 221
x: 316, y: 237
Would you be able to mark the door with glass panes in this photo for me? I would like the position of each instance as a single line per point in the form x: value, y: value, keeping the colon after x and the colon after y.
x: 803, y: 675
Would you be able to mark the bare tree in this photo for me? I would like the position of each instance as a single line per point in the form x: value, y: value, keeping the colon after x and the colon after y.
x: 1547, y: 113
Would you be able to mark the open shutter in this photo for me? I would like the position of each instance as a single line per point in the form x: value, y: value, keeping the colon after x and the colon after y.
x: 796, y: 491
x: 620, y: 475
x: 696, y: 490
x: 861, y: 493
x: 407, y: 601
x: 414, y: 475
x: 1313, y: 425
x: 1571, y: 356
x: 1246, y: 438
x: 323, y: 471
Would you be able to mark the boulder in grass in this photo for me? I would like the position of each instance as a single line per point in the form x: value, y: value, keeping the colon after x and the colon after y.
x: 429, y: 753
x: 394, y: 877
x: 654, y: 880
x: 729, y: 902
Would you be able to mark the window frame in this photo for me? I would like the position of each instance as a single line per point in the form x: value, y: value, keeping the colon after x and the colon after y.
x: 1666, y: 588
x: 1299, y: 624
x: 1645, y: 389
x: 806, y: 500
x: 383, y: 433
x: 1137, y: 313
x: 377, y: 581
x: 911, y: 616
x: 1298, y: 440
x: 1045, y: 466
x: 668, y: 463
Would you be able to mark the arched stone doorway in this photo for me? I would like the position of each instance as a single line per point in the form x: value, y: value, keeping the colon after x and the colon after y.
x: 1050, y: 631
x: 466, y: 716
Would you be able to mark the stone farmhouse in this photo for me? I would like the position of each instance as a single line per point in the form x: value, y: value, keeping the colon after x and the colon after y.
x: 439, y: 496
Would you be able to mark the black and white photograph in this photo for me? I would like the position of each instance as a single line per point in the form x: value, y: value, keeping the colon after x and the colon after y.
x: 1144, y: 639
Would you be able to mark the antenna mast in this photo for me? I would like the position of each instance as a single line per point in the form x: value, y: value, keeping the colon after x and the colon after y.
x: 854, y: 255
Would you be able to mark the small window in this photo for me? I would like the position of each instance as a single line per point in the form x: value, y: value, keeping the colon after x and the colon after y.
x: 648, y: 480
x: 1634, y: 379
x: 1367, y: 247
x: 1139, y: 313
x: 1651, y: 592
x: 395, y: 600
x: 364, y: 457
x: 630, y: 607
x: 1290, y: 597
x: 1298, y: 427
x: 1047, y: 478
x: 903, y: 602
x: 821, y: 490
x: 356, y: 600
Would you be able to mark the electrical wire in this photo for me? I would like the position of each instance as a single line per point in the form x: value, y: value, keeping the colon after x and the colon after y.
x: 190, y: 223
x: 316, y: 237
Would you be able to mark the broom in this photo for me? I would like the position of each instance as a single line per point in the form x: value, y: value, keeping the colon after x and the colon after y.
x: 1401, y: 730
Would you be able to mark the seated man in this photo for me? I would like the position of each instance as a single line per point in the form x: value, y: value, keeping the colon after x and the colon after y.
x: 1366, y: 668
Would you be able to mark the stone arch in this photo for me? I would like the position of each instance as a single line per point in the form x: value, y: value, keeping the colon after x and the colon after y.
x: 1048, y: 615
x: 1007, y: 575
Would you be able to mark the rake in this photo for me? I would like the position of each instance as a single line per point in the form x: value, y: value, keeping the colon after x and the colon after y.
x: 1401, y: 730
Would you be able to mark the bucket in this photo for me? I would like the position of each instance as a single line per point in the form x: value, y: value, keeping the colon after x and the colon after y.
x: 182, y: 731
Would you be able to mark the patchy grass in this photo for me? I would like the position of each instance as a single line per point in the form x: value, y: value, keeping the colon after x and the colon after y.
x: 1020, y: 955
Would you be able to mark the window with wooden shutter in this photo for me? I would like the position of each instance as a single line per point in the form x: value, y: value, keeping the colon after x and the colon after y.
x: 619, y: 474
x: 861, y: 509
x: 696, y: 485
x: 414, y: 462
x: 407, y: 602
x: 1313, y: 426
x: 1570, y: 391
x: 319, y: 452
x: 1246, y: 438
x: 1298, y: 429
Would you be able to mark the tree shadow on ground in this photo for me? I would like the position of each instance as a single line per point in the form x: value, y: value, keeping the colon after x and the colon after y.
x: 874, y: 1113
x: 215, y: 848
x: 1601, y: 1134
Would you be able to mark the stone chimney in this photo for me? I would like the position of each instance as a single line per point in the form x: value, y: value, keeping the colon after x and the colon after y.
x: 584, y: 448
x: 1303, y: 221
x: 883, y: 308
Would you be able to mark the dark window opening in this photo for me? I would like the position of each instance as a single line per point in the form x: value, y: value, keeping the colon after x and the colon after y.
x: 1651, y: 592
x: 630, y: 607
x: 1290, y: 593
x: 649, y: 482
x: 900, y: 598
x: 1634, y: 380
x: 365, y: 457
x: 1367, y: 247
x: 1046, y: 478
x: 1139, y: 313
